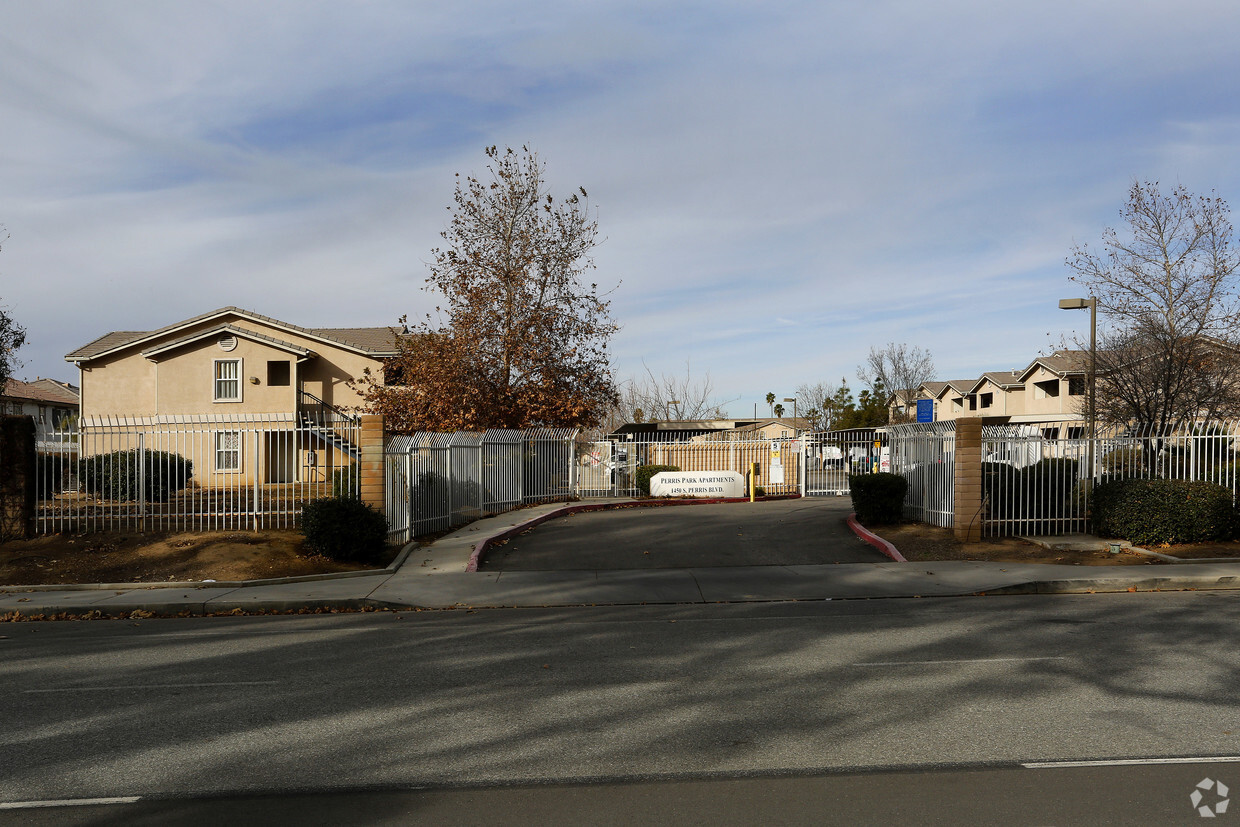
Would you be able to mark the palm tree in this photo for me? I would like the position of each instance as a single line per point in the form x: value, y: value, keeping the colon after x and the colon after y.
x: 770, y: 400
x: 779, y: 411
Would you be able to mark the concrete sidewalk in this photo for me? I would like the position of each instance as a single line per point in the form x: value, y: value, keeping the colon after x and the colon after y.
x: 436, y: 577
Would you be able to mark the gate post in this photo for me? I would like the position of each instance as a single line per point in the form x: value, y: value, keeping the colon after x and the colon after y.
x: 17, y: 477
x: 370, y: 462
x: 967, y: 516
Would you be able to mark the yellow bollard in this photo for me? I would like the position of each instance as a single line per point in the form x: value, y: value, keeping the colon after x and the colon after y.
x: 753, y: 479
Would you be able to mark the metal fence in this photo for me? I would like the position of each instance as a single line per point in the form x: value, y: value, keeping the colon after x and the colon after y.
x: 830, y: 456
x: 191, y: 473
x: 609, y: 468
x: 925, y: 455
x: 1037, y: 478
x: 434, y: 481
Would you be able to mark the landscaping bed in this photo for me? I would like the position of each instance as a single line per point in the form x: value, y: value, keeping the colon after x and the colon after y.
x: 920, y: 542
x: 127, y: 557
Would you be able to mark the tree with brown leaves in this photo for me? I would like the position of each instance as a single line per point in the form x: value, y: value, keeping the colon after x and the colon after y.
x: 520, y: 341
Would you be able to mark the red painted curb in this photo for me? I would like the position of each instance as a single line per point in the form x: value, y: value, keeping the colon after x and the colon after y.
x: 484, y: 544
x: 874, y: 540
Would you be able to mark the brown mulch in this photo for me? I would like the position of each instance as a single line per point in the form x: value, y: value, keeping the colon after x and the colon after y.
x: 115, y: 557
x: 919, y: 542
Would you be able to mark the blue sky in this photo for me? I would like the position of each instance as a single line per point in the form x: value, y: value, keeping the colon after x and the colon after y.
x: 780, y: 186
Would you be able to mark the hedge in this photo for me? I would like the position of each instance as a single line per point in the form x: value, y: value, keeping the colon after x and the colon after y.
x: 1154, y: 512
x: 645, y: 472
x: 343, y: 528
x: 116, y: 476
x: 878, y: 498
x: 346, y: 482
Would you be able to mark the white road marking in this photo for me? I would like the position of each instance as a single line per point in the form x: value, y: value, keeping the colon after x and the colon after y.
x: 150, y: 686
x: 967, y: 660
x: 1129, y: 762
x: 67, y: 802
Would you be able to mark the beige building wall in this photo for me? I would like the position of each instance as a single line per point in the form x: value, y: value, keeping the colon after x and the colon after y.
x: 182, y: 380
x: 1047, y: 396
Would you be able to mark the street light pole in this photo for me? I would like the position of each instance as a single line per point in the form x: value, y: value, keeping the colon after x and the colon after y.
x: 1092, y: 304
x: 793, y: 400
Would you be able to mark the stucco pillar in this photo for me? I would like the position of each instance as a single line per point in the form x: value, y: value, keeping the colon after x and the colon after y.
x: 371, y: 461
x: 967, y: 519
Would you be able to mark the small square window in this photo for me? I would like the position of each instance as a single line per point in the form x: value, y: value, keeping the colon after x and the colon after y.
x: 1076, y: 386
x: 279, y: 374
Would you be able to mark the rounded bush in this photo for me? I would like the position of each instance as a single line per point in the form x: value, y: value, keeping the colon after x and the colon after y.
x: 1154, y: 512
x: 878, y: 498
x: 121, y: 475
x: 645, y: 472
x: 343, y: 528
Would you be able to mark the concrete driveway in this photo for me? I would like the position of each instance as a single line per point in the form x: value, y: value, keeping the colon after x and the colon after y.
x: 808, y: 531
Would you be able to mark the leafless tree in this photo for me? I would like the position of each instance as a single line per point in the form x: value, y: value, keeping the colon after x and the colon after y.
x: 816, y: 402
x: 1169, y: 350
x: 666, y: 396
x: 900, y: 369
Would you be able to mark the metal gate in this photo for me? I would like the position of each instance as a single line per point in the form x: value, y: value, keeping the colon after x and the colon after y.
x: 830, y: 456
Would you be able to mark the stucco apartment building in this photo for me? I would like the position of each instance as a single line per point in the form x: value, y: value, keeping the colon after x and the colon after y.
x: 206, y: 379
x: 50, y: 403
x: 1049, y: 391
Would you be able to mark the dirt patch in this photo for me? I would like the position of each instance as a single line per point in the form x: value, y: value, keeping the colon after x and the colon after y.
x: 919, y: 542
x: 109, y: 557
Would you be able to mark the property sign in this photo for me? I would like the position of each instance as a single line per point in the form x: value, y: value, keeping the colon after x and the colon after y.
x: 925, y: 410
x: 697, y: 484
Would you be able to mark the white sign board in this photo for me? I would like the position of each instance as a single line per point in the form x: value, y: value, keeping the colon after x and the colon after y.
x: 776, y: 472
x: 697, y: 484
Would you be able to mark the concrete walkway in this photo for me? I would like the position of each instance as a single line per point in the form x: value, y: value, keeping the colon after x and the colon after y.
x: 436, y: 577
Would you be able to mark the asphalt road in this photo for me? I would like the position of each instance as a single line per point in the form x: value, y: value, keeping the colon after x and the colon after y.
x: 212, y: 708
x: 804, y: 531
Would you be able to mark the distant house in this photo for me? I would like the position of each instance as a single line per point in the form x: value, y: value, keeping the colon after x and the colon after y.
x: 676, y: 430
x: 50, y: 403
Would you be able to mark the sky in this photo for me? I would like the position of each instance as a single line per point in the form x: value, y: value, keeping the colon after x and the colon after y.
x: 779, y: 187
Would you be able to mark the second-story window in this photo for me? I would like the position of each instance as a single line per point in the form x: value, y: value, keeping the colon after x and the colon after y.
x: 227, y: 380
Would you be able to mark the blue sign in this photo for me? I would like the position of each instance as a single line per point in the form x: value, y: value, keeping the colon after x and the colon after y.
x: 925, y: 410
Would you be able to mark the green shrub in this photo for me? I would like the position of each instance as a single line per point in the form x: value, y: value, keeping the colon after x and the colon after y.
x: 1031, y: 499
x: 120, y: 475
x: 346, y: 482
x: 645, y: 472
x: 343, y: 528
x: 1153, y: 512
x: 878, y: 498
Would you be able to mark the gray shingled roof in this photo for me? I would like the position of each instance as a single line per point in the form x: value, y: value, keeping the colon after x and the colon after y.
x: 375, y: 341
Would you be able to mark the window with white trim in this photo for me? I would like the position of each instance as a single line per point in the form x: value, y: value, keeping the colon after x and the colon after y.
x: 227, y: 380
x: 228, y: 451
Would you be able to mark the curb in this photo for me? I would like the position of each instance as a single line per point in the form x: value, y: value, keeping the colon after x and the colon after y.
x: 874, y: 540
x: 484, y: 545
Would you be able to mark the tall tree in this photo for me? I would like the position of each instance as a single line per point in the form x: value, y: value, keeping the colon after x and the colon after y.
x: 770, y: 401
x: 1169, y: 349
x: 521, y: 340
x: 818, y: 399
x: 900, y: 369
x: 12, y: 336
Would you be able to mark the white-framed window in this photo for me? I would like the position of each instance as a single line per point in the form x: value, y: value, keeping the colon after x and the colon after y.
x: 228, y: 451
x: 227, y: 385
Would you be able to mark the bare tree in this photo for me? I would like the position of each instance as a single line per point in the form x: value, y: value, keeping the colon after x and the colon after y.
x: 666, y: 396
x: 820, y: 403
x: 12, y: 336
x: 899, y: 369
x: 1169, y: 350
